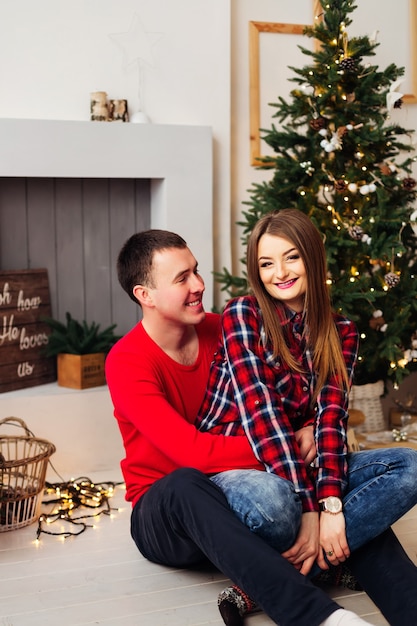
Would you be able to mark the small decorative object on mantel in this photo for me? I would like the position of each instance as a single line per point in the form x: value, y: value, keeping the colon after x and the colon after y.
x: 118, y: 111
x: 140, y: 118
x: 80, y: 350
x: 99, y: 111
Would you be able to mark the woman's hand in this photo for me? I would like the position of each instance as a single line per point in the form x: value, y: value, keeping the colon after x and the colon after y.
x: 306, y: 443
x: 306, y: 547
x: 333, y: 541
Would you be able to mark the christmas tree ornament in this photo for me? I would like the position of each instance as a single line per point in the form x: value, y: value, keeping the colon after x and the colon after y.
x: 347, y: 64
x: 340, y: 185
x: 353, y: 188
x: 356, y: 232
x: 393, y: 95
x: 399, y: 435
x: 365, y: 189
x: 318, y: 123
x: 409, y: 183
x: 377, y: 321
x: 306, y: 165
x: 391, y: 279
x: 385, y: 169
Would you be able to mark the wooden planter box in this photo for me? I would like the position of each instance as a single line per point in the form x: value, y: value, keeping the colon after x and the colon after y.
x: 81, y: 371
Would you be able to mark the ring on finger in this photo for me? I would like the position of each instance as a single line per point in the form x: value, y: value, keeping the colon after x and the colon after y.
x: 330, y: 553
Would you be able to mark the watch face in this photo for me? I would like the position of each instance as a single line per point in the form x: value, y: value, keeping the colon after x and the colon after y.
x: 333, y: 504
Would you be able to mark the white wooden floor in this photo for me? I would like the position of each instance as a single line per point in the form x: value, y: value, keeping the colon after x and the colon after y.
x: 99, y: 577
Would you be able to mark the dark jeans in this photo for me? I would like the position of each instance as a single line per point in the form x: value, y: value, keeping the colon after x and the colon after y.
x: 389, y: 578
x: 185, y: 519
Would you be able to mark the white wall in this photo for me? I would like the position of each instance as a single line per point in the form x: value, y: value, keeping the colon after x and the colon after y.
x: 80, y: 424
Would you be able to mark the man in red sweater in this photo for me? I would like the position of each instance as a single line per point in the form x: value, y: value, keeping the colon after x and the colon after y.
x: 157, y: 375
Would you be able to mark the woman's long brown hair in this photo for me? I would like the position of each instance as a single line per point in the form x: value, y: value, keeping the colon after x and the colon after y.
x: 323, y: 338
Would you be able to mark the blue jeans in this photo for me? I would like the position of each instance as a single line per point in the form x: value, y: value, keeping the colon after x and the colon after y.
x: 382, y: 486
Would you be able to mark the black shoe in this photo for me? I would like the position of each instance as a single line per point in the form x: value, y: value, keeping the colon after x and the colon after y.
x: 230, y: 613
x: 234, y: 604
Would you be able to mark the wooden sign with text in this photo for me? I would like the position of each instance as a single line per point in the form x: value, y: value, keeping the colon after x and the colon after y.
x: 24, y: 301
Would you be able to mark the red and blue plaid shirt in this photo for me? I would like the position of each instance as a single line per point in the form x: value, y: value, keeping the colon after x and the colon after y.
x: 252, y: 392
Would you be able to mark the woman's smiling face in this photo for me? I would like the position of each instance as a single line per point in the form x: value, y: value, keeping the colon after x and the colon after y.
x: 282, y: 271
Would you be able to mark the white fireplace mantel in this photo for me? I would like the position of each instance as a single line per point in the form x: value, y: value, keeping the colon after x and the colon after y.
x: 177, y: 159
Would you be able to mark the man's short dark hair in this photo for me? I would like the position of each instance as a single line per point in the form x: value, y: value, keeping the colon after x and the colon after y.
x: 134, y: 263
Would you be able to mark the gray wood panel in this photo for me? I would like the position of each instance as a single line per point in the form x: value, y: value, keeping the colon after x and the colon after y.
x: 75, y: 228
x: 97, y: 262
x: 41, y: 242
x: 13, y: 224
x: 122, y: 220
x: 69, y: 242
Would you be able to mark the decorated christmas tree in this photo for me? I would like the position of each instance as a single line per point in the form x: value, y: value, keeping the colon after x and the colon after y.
x: 341, y: 158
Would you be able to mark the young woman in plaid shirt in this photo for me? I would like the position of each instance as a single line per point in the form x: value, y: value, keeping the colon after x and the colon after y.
x: 283, y: 369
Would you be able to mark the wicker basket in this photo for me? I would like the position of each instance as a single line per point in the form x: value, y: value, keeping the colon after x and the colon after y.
x: 367, y: 398
x: 23, y: 464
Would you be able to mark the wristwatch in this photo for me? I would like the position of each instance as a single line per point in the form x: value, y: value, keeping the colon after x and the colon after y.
x: 332, y: 505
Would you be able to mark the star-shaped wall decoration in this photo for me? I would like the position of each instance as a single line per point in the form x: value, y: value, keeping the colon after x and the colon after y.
x: 136, y: 43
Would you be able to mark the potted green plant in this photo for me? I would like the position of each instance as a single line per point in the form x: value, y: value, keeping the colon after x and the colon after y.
x: 81, y: 350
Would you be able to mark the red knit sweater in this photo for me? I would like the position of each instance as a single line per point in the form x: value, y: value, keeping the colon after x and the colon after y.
x: 156, y: 401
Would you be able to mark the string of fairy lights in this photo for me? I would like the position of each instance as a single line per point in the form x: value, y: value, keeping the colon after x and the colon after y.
x: 65, y: 500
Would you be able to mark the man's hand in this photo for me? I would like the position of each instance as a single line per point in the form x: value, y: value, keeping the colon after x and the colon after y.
x: 306, y: 443
x: 306, y: 547
x: 332, y: 540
